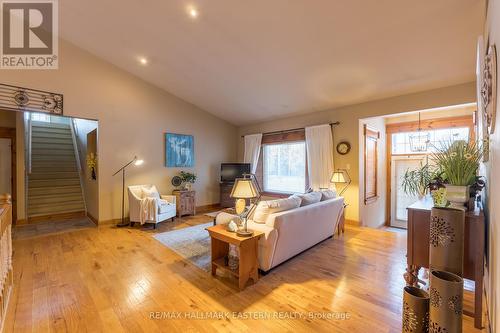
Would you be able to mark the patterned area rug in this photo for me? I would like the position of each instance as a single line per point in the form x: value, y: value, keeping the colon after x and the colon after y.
x: 191, y: 243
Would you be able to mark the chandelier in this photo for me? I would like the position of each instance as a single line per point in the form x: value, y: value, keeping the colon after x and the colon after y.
x: 419, y: 141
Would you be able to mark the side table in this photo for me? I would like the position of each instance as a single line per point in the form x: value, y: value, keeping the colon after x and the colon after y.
x: 248, y: 247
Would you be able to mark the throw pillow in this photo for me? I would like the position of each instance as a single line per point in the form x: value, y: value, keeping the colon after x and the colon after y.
x: 150, y: 193
x: 310, y: 198
x: 266, y: 208
x: 328, y: 194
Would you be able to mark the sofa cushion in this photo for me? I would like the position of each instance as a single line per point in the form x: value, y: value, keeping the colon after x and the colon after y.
x: 164, y: 207
x: 309, y: 198
x: 328, y: 194
x: 265, y: 208
x: 150, y: 193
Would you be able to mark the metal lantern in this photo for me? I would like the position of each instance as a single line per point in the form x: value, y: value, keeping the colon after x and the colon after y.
x: 419, y: 141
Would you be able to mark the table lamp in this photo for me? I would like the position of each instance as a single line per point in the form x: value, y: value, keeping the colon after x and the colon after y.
x: 243, y: 189
x: 341, y: 176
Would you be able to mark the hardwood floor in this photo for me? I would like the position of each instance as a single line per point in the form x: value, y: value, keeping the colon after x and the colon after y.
x: 105, y: 279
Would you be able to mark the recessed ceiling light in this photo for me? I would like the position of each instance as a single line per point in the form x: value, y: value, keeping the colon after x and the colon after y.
x: 193, y: 12
x: 143, y: 61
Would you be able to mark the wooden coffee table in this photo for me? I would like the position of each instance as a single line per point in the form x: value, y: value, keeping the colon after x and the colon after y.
x: 248, y: 267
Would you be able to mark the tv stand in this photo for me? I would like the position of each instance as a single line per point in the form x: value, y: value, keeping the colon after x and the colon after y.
x: 225, y: 194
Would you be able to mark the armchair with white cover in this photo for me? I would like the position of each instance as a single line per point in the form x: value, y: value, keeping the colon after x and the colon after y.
x: 146, y: 205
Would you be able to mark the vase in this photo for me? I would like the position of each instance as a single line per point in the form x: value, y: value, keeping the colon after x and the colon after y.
x: 446, y: 297
x: 415, y: 310
x: 458, y: 196
x: 439, y: 197
x: 446, y: 248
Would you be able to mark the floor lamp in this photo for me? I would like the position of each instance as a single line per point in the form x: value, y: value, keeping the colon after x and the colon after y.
x: 136, y: 162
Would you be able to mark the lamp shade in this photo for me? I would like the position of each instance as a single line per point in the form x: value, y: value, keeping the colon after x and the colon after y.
x: 338, y: 177
x: 244, y: 188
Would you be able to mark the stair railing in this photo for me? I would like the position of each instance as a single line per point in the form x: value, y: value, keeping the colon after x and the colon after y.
x: 74, y: 131
x: 29, y: 132
x: 27, y: 143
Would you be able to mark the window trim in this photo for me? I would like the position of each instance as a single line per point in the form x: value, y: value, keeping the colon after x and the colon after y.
x: 261, y: 160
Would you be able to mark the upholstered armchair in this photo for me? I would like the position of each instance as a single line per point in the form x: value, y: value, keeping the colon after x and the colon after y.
x: 165, y: 204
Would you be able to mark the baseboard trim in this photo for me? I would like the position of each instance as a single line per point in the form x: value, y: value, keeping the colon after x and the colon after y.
x: 208, y: 208
x: 352, y: 222
x: 93, y: 219
x: 52, y: 217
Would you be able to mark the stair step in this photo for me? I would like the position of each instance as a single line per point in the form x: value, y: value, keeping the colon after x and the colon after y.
x: 54, y: 190
x: 49, y: 125
x: 45, y: 157
x: 43, y: 139
x: 45, y: 135
x: 62, y: 199
x: 56, y: 209
x: 53, y: 175
x: 38, y: 152
x: 52, y: 183
x: 52, y: 145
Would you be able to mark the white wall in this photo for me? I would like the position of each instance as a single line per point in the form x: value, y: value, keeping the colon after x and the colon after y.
x: 90, y: 186
x: 373, y: 214
x: 133, y: 117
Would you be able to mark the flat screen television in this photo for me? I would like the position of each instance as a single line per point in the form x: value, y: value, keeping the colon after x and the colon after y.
x: 230, y: 171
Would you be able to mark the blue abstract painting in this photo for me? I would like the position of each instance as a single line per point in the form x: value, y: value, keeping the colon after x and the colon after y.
x: 179, y: 150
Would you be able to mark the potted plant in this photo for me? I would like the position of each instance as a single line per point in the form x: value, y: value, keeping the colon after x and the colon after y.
x: 458, y: 163
x: 188, y: 179
x: 416, y: 181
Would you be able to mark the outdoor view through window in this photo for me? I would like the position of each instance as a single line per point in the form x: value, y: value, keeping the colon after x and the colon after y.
x: 285, y: 167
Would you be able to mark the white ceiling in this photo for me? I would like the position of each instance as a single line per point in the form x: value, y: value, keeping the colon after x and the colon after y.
x: 247, y: 61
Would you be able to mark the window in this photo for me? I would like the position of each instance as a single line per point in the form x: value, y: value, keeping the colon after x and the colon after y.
x: 40, y: 117
x: 284, y: 167
x: 401, y: 141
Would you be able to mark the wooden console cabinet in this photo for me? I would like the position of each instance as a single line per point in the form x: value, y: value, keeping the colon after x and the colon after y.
x: 419, y: 215
x: 225, y: 195
x: 185, y: 202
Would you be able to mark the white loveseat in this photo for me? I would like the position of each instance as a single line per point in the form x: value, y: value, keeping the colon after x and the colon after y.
x: 165, y: 205
x: 290, y: 232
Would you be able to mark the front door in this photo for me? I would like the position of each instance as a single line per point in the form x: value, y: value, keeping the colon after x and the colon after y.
x: 399, y: 199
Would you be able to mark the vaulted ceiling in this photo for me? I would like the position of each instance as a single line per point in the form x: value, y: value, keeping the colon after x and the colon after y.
x: 249, y: 61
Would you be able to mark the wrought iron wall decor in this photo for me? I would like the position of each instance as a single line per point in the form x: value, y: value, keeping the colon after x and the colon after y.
x: 25, y: 99
x: 489, y: 88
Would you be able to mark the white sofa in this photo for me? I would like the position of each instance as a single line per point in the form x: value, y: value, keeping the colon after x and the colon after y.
x: 165, y: 208
x: 293, y: 231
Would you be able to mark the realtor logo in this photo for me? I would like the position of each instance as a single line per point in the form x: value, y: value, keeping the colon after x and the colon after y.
x: 29, y: 34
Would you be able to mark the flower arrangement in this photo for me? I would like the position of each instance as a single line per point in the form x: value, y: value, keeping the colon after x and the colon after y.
x: 92, y: 164
x: 458, y: 162
x: 187, y: 178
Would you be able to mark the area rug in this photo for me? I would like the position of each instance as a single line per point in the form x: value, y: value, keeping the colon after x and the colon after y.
x: 191, y: 243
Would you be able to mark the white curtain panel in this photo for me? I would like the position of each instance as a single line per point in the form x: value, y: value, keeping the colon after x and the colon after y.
x: 252, y: 150
x: 319, y: 143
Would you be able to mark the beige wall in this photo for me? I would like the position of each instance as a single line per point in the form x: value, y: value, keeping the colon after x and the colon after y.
x: 491, y: 171
x: 349, y: 117
x: 133, y: 116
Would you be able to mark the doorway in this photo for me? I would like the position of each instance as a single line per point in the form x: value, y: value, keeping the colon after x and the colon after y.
x: 5, y: 165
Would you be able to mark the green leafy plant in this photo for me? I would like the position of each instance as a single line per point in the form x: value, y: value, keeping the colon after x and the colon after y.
x: 458, y: 161
x: 188, y: 177
x: 416, y: 181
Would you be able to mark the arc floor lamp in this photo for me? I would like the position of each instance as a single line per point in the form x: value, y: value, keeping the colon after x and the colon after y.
x: 136, y: 162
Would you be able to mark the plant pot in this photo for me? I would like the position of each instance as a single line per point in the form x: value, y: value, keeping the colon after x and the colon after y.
x: 415, y: 310
x: 458, y: 196
x: 188, y: 186
x: 446, y: 299
x: 446, y: 248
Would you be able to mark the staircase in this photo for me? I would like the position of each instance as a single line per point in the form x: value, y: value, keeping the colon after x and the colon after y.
x: 54, y: 183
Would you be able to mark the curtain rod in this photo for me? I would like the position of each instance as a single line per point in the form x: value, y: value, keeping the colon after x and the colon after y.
x: 293, y: 130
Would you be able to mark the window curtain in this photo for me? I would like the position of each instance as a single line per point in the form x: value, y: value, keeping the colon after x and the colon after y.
x: 252, y: 150
x: 319, y: 144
